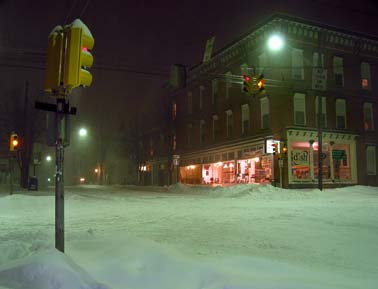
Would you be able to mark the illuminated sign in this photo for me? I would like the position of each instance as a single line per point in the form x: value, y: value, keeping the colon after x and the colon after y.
x: 269, y: 146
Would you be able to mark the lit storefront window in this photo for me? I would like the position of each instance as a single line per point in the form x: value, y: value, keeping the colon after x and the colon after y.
x: 300, y: 160
x: 304, y: 161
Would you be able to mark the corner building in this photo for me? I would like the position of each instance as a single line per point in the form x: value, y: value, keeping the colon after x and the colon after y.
x: 224, y: 136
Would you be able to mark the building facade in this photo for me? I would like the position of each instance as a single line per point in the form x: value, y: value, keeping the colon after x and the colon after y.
x: 224, y: 136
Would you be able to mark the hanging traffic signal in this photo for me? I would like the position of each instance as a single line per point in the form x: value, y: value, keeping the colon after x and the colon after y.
x: 78, y: 58
x: 260, y: 83
x: 284, y: 149
x: 54, y: 59
x: 247, y: 84
x: 14, y: 142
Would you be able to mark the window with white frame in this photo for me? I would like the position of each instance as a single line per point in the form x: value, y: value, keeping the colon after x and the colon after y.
x: 228, y: 83
x: 214, y: 91
x: 264, y: 108
x: 340, y: 113
x: 229, y: 123
x: 297, y: 69
x: 316, y: 62
x: 324, y: 111
x: 371, y: 161
x: 215, y: 131
x: 368, y: 116
x: 244, y: 69
x: 338, y: 70
x: 201, y: 96
x: 263, y: 63
x: 245, y: 118
x: 299, y: 109
x: 190, y: 102
x: 202, y: 131
x: 365, y: 75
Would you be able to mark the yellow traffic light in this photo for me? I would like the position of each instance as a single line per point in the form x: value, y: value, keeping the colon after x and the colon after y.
x: 14, y: 143
x: 260, y: 83
x: 54, y: 59
x: 78, y: 58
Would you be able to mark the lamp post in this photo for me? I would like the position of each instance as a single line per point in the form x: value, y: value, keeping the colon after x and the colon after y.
x: 275, y: 43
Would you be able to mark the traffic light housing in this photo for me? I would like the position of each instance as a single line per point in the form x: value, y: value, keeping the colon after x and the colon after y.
x: 260, y: 83
x: 54, y: 59
x: 284, y: 150
x: 78, y: 58
x: 247, y: 84
x: 14, y: 142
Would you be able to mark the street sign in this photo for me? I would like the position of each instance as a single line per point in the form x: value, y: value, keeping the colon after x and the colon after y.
x: 319, y: 79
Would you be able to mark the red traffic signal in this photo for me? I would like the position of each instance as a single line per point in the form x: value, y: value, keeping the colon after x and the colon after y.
x: 247, y: 84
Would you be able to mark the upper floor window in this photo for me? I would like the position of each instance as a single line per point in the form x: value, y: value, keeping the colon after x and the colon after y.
x: 316, y: 61
x: 297, y: 69
x: 263, y: 63
x: 174, y: 143
x: 174, y: 110
x: 340, y: 113
x: 243, y: 69
x: 215, y: 127
x: 245, y: 118
x: 228, y: 83
x: 201, y: 96
x: 190, y: 102
x: 229, y: 123
x: 264, y: 108
x: 189, y: 134
x: 299, y: 109
x: 202, y: 131
x: 324, y: 111
x: 365, y: 75
x: 338, y: 70
x: 368, y: 116
x: 371, y: 161
x: 214, y: 90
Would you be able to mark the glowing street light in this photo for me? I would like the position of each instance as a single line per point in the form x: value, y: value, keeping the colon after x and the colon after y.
x: 83, y: 132
x: 275, y: 42
x: 48, y: 158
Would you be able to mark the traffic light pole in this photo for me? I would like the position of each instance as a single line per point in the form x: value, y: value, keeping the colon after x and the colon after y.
x: 59, y: 180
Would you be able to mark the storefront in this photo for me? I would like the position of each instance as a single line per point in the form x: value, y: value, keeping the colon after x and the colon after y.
x: 338, y: 157
x: 242, y: 164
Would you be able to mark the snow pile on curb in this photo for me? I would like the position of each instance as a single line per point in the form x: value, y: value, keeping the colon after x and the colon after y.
x: 46, y: 270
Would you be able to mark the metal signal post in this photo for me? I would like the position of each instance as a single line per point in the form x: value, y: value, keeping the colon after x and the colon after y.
x: 68, y: 59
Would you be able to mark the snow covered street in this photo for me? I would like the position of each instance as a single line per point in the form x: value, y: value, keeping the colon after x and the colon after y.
x: 245, y: 236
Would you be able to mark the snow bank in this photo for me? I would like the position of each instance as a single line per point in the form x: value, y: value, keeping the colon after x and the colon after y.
x: 46, y: 270
x: 254, y: 191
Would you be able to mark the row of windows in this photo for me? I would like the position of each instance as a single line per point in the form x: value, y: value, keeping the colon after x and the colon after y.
x: 299, y: 117
x: 297, y: 72
x: 340, y: 107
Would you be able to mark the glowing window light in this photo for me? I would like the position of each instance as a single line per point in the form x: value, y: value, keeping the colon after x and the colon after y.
x: 82, y: 180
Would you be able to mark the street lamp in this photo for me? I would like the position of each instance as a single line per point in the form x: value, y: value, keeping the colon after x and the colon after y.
x: 48, y: 158
x: 83, y: 132
x: 275, y: 42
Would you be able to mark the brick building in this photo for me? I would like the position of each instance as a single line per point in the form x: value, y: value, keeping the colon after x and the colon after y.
x: 224, y: 135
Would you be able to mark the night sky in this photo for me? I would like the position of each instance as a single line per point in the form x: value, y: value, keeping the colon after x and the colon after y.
x: 146, y: 37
